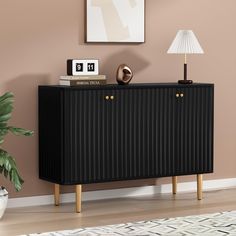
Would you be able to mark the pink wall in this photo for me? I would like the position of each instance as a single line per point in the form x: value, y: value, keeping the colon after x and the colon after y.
x: 38, y: 36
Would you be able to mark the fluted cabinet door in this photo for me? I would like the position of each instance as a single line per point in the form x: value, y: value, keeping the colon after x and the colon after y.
x: 86, y: 131
x: 194, y: 123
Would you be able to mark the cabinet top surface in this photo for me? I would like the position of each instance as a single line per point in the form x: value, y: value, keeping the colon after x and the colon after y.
x: 135, y: 85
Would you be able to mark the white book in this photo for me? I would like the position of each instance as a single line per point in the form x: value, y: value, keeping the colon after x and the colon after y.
x: 83, y: 77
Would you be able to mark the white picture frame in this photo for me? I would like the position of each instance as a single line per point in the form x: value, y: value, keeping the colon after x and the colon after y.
x: 115, y: 21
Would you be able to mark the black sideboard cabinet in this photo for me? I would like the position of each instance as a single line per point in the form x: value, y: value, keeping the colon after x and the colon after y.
x: 106, y: 133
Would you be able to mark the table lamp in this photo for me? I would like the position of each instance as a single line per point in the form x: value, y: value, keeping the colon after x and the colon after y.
x: 185, y: 42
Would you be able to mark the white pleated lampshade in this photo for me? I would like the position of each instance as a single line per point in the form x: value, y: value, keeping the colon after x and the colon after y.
x: 185, y: 42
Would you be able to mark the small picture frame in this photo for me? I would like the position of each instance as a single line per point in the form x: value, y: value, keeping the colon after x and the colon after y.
x: 82, y: 67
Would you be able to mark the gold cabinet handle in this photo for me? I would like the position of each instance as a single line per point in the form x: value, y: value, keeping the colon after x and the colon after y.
x: 109, y: 97
x: 181, y: 95
x: 177, y: 95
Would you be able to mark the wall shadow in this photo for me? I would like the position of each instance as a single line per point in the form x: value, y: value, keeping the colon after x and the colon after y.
x: 126, y: 56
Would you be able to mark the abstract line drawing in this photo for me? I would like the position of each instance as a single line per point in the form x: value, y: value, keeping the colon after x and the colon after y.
x: 115, y: 21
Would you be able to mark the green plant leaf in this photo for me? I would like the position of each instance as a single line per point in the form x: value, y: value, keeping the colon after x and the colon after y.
x: 16, y: 179
x: 4, y: 118
x: 20, y: 131
x: 5, y: 109
x: 7, y: 95
x: 3, y: 132
x: 8, y: 168
x: 6, y: 106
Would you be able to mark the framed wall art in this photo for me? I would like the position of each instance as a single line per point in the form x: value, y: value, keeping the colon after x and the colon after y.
x: 115, y: 21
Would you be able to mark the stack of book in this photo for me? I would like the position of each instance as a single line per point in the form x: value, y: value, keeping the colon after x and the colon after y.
x: 77, y: 80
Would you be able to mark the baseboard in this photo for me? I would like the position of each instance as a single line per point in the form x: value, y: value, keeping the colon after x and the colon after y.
x: 124, y: 192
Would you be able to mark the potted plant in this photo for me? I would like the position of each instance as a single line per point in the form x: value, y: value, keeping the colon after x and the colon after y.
x: 8, y: 166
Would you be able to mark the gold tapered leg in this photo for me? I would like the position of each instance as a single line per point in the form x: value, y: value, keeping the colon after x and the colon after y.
x: 56, y: 194
x: 78, y: 189
x: 174, y: 184
x: 199, y: 187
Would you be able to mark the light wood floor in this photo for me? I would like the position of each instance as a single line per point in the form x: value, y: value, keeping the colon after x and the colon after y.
x: 96, y: 213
